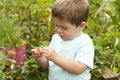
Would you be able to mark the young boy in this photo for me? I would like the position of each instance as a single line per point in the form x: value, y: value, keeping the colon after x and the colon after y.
x: 71, y: 52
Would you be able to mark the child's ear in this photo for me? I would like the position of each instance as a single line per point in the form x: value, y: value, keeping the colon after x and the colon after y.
x: 82, y: 25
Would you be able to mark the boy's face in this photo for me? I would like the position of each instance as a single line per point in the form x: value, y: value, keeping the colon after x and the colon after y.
x: 66, y: 30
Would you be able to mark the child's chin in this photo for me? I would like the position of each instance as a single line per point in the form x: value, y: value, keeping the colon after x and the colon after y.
x: 65, y: 39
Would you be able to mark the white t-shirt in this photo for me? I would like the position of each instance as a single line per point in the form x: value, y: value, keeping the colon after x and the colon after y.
x: 80, y: 49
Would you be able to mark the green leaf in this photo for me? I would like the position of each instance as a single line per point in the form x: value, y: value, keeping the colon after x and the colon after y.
x: 2, y: 55
x: 112, y: 9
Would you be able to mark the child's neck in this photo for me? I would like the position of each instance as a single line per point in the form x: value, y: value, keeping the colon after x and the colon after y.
x: 81, y: 33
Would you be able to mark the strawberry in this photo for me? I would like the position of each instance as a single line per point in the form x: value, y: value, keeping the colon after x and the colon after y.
x: 39, y: 51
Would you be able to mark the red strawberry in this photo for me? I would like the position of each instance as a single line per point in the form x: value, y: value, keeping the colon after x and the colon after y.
x: 39, y: 51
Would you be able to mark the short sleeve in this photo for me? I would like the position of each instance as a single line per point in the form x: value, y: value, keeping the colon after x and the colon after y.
x: 85, y: 54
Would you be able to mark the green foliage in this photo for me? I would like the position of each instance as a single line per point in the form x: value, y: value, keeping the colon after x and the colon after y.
x: 32, y: 17
x: 9, y: 33
x: 31, y: 70
x: 103, y: 26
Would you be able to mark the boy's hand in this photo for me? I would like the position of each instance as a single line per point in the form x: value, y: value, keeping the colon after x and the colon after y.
x: 49, y: 53
x: 37, y: 52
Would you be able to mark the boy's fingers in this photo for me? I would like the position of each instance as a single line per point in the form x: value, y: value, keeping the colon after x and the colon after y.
x: 33, y: 50
x: 45, y: 55
x: 36, y: 52
x: 36, y: 56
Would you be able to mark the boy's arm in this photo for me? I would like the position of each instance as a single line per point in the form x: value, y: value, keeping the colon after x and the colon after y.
x: 68, y: 65
x: 39, y: 58
x: 43, y: 62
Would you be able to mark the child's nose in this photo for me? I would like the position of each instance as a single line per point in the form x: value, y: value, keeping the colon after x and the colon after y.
x: 58, y: 30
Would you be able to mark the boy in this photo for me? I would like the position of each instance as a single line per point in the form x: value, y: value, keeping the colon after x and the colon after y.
x: 71, y: 52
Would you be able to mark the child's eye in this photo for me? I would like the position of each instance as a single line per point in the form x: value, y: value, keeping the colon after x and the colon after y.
x: 65, y: 28
x: 56, y: 25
